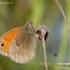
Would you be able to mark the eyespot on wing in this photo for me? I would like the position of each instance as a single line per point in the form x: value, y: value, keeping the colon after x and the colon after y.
x: 7, y: 38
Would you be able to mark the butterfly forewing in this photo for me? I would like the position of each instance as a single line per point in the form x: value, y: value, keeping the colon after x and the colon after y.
x: 6, y: 39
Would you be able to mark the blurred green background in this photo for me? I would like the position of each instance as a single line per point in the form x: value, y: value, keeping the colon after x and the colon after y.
x: 15, y: 13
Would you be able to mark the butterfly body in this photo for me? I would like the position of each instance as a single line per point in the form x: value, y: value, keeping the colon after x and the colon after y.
x: 19, y: 44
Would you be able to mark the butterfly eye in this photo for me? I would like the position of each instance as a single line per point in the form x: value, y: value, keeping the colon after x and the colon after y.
x: 2, y: 44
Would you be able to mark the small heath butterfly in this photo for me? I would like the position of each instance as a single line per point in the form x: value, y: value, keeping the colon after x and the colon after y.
x: 19, y: 44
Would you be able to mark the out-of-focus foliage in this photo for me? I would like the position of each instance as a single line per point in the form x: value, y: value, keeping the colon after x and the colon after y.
x: 17, y: 12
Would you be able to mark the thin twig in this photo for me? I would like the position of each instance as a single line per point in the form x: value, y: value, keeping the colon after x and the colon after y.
x: 45, y: 57
x: 67, y: 26
x: 62, y: 13
x: 41, y: 35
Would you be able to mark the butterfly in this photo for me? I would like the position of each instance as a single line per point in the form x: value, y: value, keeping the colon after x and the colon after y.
x: 19, y: 43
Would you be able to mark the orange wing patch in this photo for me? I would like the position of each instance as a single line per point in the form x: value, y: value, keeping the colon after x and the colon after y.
x: 8, y: 37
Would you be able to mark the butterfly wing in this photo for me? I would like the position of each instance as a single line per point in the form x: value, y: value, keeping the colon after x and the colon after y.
x: 22, y: 48
x: 6, y: 39
x: 18, y: 44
